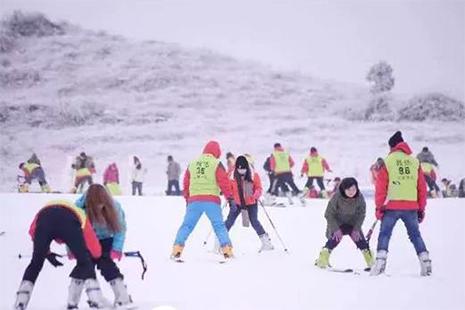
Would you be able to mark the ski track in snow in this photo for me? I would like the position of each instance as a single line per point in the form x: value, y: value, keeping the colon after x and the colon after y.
x: 271, y: 280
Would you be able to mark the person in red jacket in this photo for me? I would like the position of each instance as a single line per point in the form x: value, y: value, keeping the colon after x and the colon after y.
x: 247, y: 189
x: 204, y: 180
x: 400, y: 194
x: 63, y: 222
x: 375, y: 168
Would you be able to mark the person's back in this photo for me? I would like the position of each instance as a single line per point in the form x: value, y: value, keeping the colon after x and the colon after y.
x: 425, y: 156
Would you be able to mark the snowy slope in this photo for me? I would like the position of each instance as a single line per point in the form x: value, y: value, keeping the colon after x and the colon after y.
x: 253, y: 281
x: 113, y: 97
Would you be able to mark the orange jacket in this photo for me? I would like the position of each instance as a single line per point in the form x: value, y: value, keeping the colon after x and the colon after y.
x: 252, y: 190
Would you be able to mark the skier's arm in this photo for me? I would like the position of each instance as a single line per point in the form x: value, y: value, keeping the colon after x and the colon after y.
x: 120, y: 236
x: 223, y: 181
x: 381, y: 187
x: 330, y: 215
x: 272, y: 163
x: 325, y: 165
x: 304, y: 169
x: 92, y: 243
x: 291, y: 161
x: 422, y: 192
x: 360, y: 213
x: 186, y: 182
x: 257, y: 187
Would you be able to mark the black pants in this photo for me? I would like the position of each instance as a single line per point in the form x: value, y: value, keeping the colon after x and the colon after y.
x: 252, y: 210
x: 171, y: 184
x: 80, y: 181
x: 105, y: 264
x: 319, y: 181
x: 59, y: 223
x: 362, y: 244
x: 283, y: 180
x: 431, y: 183
x: 39, y: 174
x: 136, y: 186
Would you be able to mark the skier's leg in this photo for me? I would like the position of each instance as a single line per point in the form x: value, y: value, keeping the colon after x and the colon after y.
x: 194, y: 211
x: 387, y: 225
x: 321, y: 184
x: 213, y: 211
x: 253, y: 216
x: 232, y: 216
x: 108, y: 269
x: 133, y: 188
x: 176, y: 187
x: 42, y: 239
x: 410, y: 219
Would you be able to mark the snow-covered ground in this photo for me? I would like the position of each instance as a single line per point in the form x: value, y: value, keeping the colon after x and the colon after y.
x: 252, y: 281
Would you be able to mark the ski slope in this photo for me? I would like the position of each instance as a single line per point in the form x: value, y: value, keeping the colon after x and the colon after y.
x: 273, y: 280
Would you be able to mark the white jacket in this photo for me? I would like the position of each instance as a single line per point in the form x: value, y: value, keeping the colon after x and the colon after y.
x: 138, y: 174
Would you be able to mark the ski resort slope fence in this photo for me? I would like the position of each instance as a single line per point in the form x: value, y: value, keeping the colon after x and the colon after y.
x: 252, y: 281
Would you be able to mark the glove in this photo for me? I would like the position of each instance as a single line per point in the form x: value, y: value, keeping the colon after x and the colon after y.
x: 232, y: 205
x: 52, y: 259
x: 337, y: 235
x: 356, y: 235
x: 379, y: 213
x: 421, y: 215
x: 116, y: 255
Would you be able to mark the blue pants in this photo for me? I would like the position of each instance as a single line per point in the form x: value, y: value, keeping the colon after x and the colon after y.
x: 410, y: 219
x: 194, y: 211
x: 253, y: 216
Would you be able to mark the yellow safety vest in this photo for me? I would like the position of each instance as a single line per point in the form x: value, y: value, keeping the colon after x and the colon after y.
x: 83, y: 172
x: 403, y: 176
x: 427, y: 167
x: 30, y: 167
x: 203, y: 176
x: 315, y: 166
x: 281, y: 159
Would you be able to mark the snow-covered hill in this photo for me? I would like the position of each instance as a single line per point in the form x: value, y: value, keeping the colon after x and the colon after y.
x: 74, y: 90
x: 271, y: 281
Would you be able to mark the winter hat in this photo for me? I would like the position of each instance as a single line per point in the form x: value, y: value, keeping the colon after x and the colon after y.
x: 345, y: 184
x: 242, y: 162
x: 276, y: 145
x: 395, y: 139
x: 313, y: 150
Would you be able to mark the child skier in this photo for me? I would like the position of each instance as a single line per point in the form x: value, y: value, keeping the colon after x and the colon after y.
x: 108, y: 220
x: 247, y: 189
x: 314, y: 167
x: 111, y: 179
x: 400, y: 194
x: 204, y: 180
x: 33, y: 171
x: 345, y: 214
x: 85, y: 168
x: 63, y: 221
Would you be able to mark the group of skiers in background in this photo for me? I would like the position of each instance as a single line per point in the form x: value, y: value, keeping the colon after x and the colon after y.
x: 94, y: 226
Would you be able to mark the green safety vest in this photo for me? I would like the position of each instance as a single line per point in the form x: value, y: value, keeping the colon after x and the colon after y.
x: 203, y: 176
x: 281, y: 159
x: 315, y: 166
x: 403, y: 176
x: 30, y: 167
x: 427, y: 167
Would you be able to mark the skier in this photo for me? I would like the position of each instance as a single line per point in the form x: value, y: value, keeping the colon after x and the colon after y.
x: 270, y: 173
x: 428, y: 165
x: 63, y: 221
x: 137, y: 176
x: 462, y: 188
x: 31, y: 172
x: 345, y: 215
x: 314, y: 167
x: 375, y: 168
x: 336, y: 183
x: 34, y: 159
x: 84, y: 166
x: 402, y: 184
x: 111, y: 179
x: 108, y: 220
x: 247, y: 189
x: 450, y: 189
x: 204, y: 179
x: 281, y: 164
x: 173, y: 171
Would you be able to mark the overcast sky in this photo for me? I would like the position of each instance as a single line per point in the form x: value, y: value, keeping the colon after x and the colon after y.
x: 424, y: 41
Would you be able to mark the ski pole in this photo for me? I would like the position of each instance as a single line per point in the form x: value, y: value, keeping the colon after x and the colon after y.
x: 272, y: 225
x: 370, y: 232
x: 205, y: 241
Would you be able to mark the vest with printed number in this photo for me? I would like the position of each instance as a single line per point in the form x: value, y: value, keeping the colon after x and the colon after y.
x: 30, y: 167
x: 281, y: 161
x: 403, y: 176
x: 315, y: 166
x: 203, y: 176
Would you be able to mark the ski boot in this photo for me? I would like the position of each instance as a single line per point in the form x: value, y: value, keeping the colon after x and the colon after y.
x: 266, y: 243
x: 216, y: 247
x: 289, y: 198
x: 303, y: 196
x: 323, y: 259
x: 425, y: 264
x: 23, y: 295
x: 94, y: 293
x: 176, y: 253
x: 45, y: 188
x: 368, y: 259
x: 122, y: 298
x: 74, y: 293
x: 380, y: 264
x: 24, y: 188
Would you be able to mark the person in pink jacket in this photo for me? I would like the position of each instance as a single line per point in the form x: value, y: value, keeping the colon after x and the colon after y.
x: 111, y: 179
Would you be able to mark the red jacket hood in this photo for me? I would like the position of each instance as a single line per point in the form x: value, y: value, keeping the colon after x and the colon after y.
x: 402, y: 146
x: 212, y: 148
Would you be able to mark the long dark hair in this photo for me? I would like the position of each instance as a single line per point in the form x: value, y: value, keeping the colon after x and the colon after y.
x: 242, y: 163
x: 100, y: 207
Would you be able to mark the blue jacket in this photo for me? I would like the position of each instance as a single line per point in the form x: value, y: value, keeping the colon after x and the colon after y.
x: 103, y: 232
